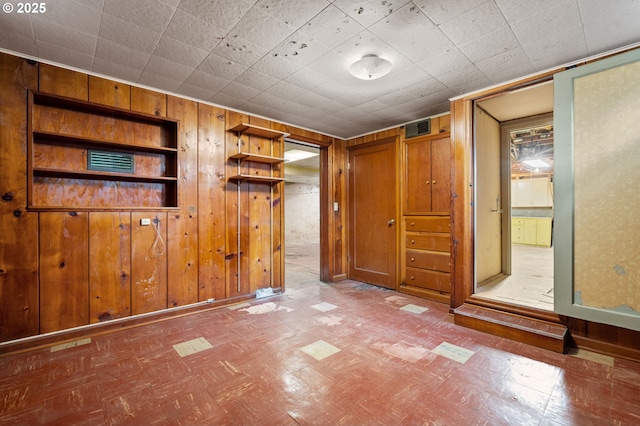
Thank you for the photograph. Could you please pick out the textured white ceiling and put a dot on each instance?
(288, 59)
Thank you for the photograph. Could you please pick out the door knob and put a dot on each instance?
(391, 222)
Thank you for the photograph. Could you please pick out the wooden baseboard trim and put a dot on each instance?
(535, 332)
(605, 348)
(40, 341)
(339, 277)
(425, 294)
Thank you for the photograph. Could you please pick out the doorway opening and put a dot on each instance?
(302, 213)
(514, 204)
(527, 277)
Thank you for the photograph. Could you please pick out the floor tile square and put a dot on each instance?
(238, 306)
(414, 308)
(320, 350)
(453, 352)
(192, 346)
(592, 356)
(68, 345)
(324, 307)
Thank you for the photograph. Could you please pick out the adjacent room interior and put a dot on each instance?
(515, 221)
(302, 212)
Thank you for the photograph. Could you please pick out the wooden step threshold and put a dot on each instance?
(532, 331)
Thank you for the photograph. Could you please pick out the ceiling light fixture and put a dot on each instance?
(297, 155)
(537, 163)
(370, 67)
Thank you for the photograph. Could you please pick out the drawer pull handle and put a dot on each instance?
(413, 278)
(413, 241)
(413, 224)
(434, 182)
(428, 182)
(413, 259)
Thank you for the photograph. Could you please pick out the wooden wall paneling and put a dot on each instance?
(211, 200)
(382, 135)
(148, 101)
(462, 193)
(327, 215)
(109, 265)
(444, 124)
(182, 240)
(277, 204)
(333, 248)
(148, 263)
(237, 279)
(304, 135)
(109, 92)
(373, 137)
(63, 82)
(19, 310)
(341, 196)
(64, 270)
(259, 214)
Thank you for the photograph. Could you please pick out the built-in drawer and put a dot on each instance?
(434, 242)
(517, 228)
(430, 280)
(517, 238)
(428, 224)
(437, 261)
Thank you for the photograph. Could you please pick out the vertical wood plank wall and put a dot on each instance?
(110, 266)
(19, 307)
(64, 269)
(64, 273)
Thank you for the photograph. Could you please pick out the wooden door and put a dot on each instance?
(489, 251)
(441, 175)
(372, 215)
(417, 176)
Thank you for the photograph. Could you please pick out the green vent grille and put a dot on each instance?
(417, 128)
(106, 161)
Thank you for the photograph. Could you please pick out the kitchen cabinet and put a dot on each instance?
(531, 231)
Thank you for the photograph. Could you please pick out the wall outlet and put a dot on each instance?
(145, 222)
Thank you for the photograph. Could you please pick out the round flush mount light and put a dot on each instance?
(370, 67)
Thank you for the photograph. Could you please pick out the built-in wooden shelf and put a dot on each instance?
(250, 129)
(255, 178)
(63, 139)
(257, 158)
(92, 174)
(71, 104)
(61, 131)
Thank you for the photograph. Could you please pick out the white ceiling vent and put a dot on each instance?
(417, 128)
